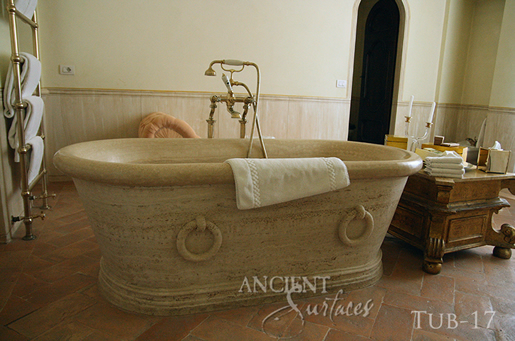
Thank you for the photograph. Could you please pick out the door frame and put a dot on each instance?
(398, 84)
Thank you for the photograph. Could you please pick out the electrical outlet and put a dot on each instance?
(341, 83)
(67, 69)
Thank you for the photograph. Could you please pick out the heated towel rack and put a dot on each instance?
(20, 106)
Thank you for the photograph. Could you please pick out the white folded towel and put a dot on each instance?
(33, 116)
(449, 157)
(29, 77)
(36, 157)
(263, 182)
(27, 7)
(442, 165)
(445, 173)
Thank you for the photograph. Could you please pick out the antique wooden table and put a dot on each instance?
(442, 215)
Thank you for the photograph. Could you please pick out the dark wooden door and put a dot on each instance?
(380, 51)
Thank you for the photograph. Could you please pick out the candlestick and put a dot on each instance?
(432, 112)
(411, 105)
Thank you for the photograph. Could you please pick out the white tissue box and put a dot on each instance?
(497, 161)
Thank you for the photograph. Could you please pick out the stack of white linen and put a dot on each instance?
(449, 165)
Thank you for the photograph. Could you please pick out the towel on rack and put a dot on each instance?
(30, 74)
(36, 157)
(33, 116)
(27, 7)
(263, 182)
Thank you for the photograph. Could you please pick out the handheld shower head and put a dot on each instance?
(210, 72)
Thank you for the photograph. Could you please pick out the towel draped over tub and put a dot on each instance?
(264, 182)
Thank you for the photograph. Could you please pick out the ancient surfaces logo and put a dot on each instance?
(327, 306)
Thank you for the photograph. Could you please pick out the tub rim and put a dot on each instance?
(206, 173)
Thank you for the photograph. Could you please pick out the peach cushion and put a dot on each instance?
(159, 125)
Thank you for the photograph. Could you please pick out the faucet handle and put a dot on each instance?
(233, 62)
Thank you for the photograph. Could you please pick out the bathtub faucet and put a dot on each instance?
(230, 99)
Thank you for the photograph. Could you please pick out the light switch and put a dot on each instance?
(341, 83)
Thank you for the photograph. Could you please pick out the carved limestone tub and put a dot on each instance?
(173, 242)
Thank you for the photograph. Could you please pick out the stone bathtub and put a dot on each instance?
(173, 241)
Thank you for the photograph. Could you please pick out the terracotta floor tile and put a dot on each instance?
(70, 218)
(505, 326)
(92, 291)
(8, 282)
(502, 305)
(444, 325)
(215, 329)
(45, 236)
(101, 336)
(241, 316)
(94, 252)
(315, 311)
(70, 251)
(191, 338)
(471, 286)
(393, 323)
(468, 260)
(54, 291)
(274, 319)
(172, 328)
(114, 321)
(403, 280)
(66, 331)
(473, 308)
(338, 335)
(438, 287)
(423, 335)
(64, 269)
(42, 248)
(72, 237)
(43, 319)
(413, 303)
(37, 264)
(495, 271)
(26, 284)
(374, 294)
(15, 245)
(299, 330)
(14, 309)
(459, 272)
(72, 227)
(92, 269)
(13, 259)
(7, 334)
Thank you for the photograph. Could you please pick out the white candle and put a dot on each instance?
(432, 113)
(411, 105)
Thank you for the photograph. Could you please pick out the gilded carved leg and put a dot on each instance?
(503, 240)
(433, 255)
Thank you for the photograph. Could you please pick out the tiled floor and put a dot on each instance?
(48, 291)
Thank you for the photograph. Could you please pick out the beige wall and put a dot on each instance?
(503, 88)
(423, 49)
(301, 47)
(455, 51)
(482, 51)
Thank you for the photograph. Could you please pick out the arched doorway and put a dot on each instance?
(375, 57)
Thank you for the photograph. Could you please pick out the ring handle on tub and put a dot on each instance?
(201, 225)
(359, 212)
